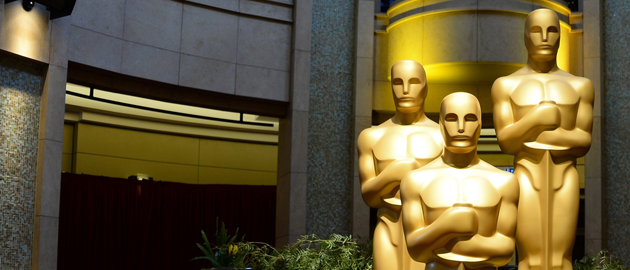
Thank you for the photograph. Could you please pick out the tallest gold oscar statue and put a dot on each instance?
(543, 116)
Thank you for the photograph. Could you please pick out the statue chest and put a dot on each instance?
(530, 92)
(478, 192)
(418, 144)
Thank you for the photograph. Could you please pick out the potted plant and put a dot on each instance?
(225, 254)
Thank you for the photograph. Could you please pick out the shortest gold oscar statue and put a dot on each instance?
(458, 211)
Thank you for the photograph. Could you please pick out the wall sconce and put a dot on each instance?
(28, 4)
(57, 8)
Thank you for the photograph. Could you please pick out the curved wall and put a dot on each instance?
(237, 47)
(467, 41)
(464, 45)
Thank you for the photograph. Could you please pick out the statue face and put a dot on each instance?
(542, 34)
(460, 122)
(409, 85)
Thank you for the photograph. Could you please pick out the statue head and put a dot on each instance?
(542, 35)
(460, 122)
(409, 84)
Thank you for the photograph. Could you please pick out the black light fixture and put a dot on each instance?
(28, 4)
(57, 8)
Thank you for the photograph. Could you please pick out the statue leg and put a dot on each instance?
(387, 254)
(565, 213)
(528, 229)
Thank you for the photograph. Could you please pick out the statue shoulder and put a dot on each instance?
(506, 182)
(504, 85)
(369, 136)
(584, 87)
(427, 172)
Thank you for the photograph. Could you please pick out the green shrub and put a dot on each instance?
(603, 260)
(338, 252)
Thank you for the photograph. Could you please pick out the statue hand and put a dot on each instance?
(547, 115)
(398, 168)
(463, 220)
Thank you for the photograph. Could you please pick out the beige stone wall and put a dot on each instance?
(239, 47)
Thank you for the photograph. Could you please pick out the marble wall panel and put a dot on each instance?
(264, 44)
(150, 63)
(267, 10)
(105, 17)
(47, 242)
(364, 87)
(301, 83)
(302, 38)
(209, 33)
(365, 29)
(60, 35)
(155, 23)
(95, 49)
(21, 85)
(222, 4)
(262, 83)
(207, 74)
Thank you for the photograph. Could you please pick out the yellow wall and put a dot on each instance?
(116, 152)
(68, 143)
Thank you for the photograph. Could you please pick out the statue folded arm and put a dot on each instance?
(498, 249)
(374, 187)
(513, 134)
(577, 141)
(423, 239)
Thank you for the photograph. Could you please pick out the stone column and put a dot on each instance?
(363, 108)
(49, 156)
(593, 164)
(293, 134)
(331, 118)
(615, 126)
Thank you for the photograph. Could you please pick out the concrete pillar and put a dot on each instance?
(293, 134)
(593, 161)
(364, 84)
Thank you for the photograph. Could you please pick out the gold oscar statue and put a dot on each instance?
(407, 141)
(543, 116)
(459, 212)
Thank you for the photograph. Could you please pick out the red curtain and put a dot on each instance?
(111, 223)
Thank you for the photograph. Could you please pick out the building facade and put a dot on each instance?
(319, 67)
